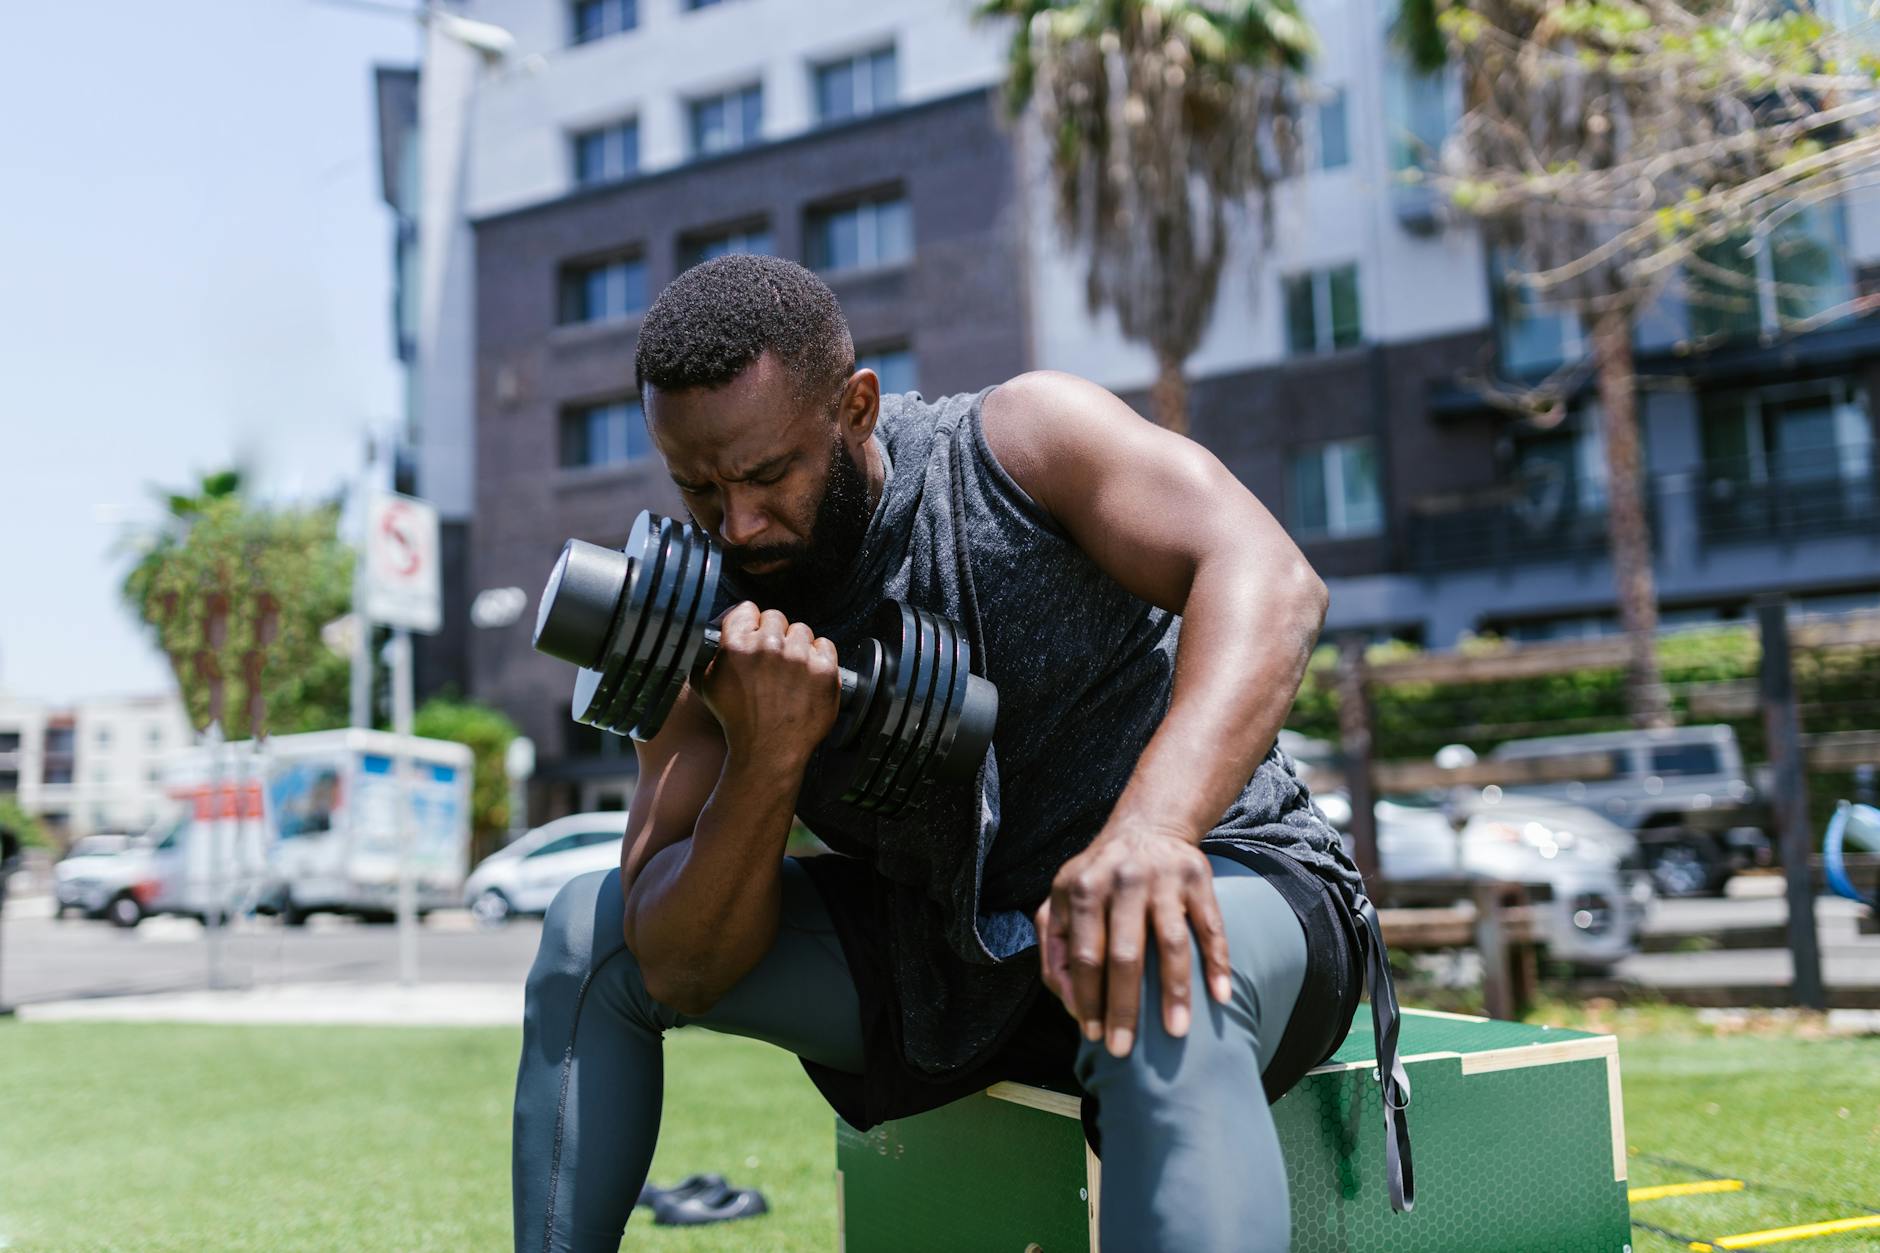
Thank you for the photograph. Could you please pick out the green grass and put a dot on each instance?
(184, 1138)
(1798, 1120)
(153, 1138)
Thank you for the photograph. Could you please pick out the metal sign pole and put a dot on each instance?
(362, 623)
(211, 842)
(401, 726)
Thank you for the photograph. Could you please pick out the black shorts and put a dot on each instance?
(1040, 1045)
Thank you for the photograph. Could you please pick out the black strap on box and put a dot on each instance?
(1385, 1022)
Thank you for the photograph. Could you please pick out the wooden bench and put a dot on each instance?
(1518, 1137)
(1495, 919)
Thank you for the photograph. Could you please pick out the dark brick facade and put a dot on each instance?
(959, 305)
(1252, 419)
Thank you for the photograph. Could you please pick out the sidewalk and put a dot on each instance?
(328, 1004)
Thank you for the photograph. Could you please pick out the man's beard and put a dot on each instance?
(812, 579)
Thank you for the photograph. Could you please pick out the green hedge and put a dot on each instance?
(1838, 690)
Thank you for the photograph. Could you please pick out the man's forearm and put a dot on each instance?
(703, 911)
(1246, 638)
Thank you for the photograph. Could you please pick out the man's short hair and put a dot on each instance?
(718, 317)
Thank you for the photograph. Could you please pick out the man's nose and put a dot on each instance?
(743, 523)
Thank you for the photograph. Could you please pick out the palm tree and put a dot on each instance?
(1165, 119)
(1586, 133)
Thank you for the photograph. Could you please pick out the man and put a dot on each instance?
(1133, 794)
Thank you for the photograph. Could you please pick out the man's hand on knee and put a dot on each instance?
(1129, 884)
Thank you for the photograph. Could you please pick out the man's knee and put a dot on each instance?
(584, 920)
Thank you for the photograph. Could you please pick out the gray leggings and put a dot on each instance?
(1191, 1159)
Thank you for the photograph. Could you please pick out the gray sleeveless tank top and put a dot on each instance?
(1084, 671)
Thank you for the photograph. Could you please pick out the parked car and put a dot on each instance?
(1572, 861)
(1579, 868)
(105, 876)
(522, 877)
(1681, 790)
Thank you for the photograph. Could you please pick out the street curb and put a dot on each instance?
(304, 1004)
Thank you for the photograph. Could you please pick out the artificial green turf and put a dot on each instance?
(1797, 1120)
(133, 1137)
(116, 1136)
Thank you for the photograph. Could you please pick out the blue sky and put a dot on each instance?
(194, 267)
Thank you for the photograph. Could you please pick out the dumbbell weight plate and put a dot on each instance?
(864, 659)
(946, 713)
(924, 725)
(902, 733)
(956, 711)
(704, 592)
(645, 617)
(676, 599)
(906, 738)
(894, 626)
(596, 690)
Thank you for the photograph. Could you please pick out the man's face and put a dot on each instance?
(777, 480)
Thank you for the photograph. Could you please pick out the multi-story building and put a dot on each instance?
(1348, 377)
(93, 766)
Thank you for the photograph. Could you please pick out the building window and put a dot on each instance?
(1816, 434)
(1561, 474)
(9, 782)
(103, 737)
(597, 19)
(703, 247)
(894, 366)
(9, 741)
(856, 86)
(701, 4)
(860, 235)
(1801, 274)
(1532, 335)
(604, 434)
(59, 740)
(1417, 114)
(1322, 310)
(607, 153)
(724, 123)
(154, 736)
(600, 291)
(1328, 144)
(1333, 490)
(58, 775)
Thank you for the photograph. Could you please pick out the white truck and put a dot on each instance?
(309, 823)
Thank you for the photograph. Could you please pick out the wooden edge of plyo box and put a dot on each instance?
(1440, 1013)
(842, 1217)
(1584, 1049)
(1093, 1183)
(1037, 1098)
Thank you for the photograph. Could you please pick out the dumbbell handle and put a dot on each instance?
(850, 681)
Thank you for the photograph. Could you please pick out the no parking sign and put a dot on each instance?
(401, 563)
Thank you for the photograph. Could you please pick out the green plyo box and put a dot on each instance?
(1517, 1131)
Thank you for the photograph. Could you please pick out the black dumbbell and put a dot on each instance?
(638, 622)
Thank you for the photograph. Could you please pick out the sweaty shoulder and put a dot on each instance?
(1051, 430)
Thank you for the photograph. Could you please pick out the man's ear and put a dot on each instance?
(859, 408)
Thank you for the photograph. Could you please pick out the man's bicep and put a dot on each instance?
(679, 767)
(1146, 504)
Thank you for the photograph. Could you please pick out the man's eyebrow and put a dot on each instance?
(762, 468)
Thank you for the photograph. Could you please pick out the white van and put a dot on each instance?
(308, 823)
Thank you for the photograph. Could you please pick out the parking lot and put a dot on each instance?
(1718, 951)
(46, 959)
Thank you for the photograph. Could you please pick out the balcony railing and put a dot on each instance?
(1822, 491)
(1815, 492)
(1507, 532)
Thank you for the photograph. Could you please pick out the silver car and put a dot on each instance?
(1576, 865)
(1681, 790)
